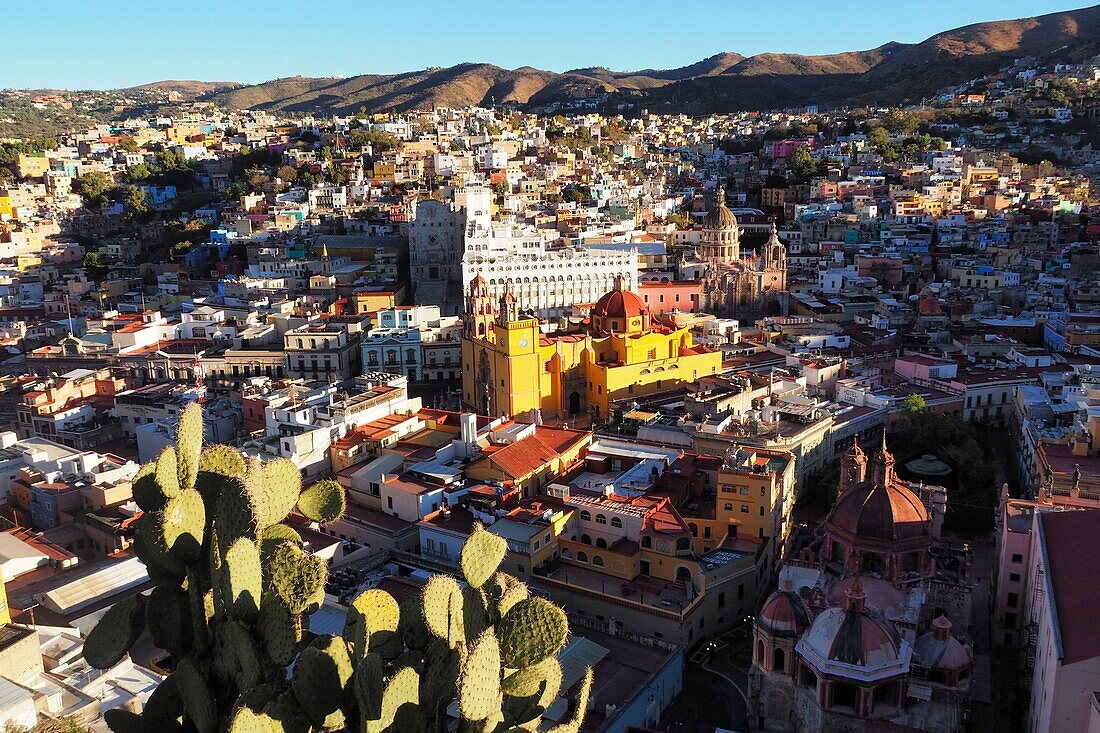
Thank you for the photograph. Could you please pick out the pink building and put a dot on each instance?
(783, 148)
(923, 368)
(665, 297)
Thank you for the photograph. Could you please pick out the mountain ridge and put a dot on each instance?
(889, 74)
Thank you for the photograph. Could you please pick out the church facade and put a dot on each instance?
(736, 286)
(510, 367)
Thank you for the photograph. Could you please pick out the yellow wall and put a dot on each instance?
(524, 375)
(31, 166)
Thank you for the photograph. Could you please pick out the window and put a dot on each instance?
(582, 557)
(585, 516)
(1010, 620)
(761, 510)
(1013, 598)
(722, 599)
(616, 522)
(728, 506)
(601, 519)
(597, 561)
(1017, 558)
(1014, 577)
(744, 508)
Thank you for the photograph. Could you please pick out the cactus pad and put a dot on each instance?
(168, 618)
(274, 535)
(115, 633)
(443, 609)
(531, 631)
(246, 721)
(320, 680)
(198, 702)
(371, 625)
(324, 502)
(482, 554)
(296, 576)
(167, 473)
(573, 725)
(238, 511)
(479, 694)
(511, 597)
(369, 687)
(242, 579)
(530, 680)
(123, 721)
(182, 523)
(402, 689)
(189, 445)
(281, 482)
(280, 630)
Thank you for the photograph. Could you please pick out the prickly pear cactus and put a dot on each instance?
(233, 587)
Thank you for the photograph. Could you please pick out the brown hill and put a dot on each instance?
(188, 87)
(889, 74)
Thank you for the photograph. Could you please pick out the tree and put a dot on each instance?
(287, 173)
(91, 186)
(139, 172)
(379, 140)
(680, 220)
(914, 403)
(233, 585)
(901, 122)
(134, 203)
(127, 143)
(801, 163)
(501, 189)
(93, 263)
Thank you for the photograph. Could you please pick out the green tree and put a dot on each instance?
(127, 143)
(135, 204)
(801, 163)
(914, 403)
(379, 140)
(501, 189)
(91, 187)
(680, 220)
(901, 121)
(139, 172)
(94, 264)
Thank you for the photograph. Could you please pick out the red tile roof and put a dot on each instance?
(1069, 538)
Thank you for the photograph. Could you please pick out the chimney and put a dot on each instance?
(941, 628)
(468, 431)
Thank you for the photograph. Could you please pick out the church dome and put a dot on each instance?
(784, 614)
(854, 636)
(881, 512)
(721, 218)
(938, 649)
(619, 304)
(620, 311)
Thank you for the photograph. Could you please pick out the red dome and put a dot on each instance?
(619, 304)
(874, 511)
(784, 614)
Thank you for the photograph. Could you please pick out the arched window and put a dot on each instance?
(586, 540)
(683, 544)
(585, 516)
(601, 542)
(597, 561)
(759, 651)
(728, 506)
(694, 529)
(616, 522)
(601, 519)
(778, 660)
(582, 556)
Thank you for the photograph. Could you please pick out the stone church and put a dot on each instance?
(736, 286)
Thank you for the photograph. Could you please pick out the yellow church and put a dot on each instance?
(510, 367)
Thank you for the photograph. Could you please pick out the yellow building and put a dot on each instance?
(31, 166)
(510, 367)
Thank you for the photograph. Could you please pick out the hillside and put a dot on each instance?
(187, 87)
(889, 74)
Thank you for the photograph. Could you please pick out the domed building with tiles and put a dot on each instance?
(516, 366)
(734, 285)
(870, 625)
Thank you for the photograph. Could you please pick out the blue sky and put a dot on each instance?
(80, 44)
